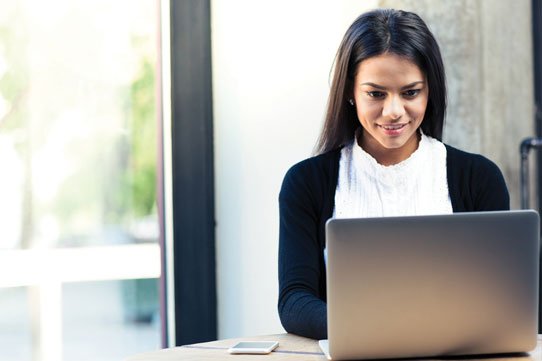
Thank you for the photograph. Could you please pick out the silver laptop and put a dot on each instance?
(444, 285)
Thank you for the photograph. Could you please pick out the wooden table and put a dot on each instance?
(291, 347)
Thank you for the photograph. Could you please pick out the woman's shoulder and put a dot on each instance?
(462, 162)
(324, 162)
(313, 172)
(475, 182)
(460, 157)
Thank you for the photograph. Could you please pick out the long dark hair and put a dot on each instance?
(374, 33)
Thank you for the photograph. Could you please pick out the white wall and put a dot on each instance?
(271, 65)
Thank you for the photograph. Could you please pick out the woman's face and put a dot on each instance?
(390, 95)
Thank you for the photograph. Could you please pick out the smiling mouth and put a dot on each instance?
(392, 126)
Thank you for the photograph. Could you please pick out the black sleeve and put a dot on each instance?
(490, 191)
(301, 309)
(475, 183)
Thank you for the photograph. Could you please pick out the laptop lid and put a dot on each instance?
(458, 284)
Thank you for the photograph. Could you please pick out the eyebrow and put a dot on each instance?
(384, 88)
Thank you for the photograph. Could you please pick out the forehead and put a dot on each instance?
(388, 68)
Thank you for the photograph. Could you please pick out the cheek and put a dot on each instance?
(368, 110)
(418, 108)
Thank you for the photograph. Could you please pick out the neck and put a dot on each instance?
(388, 156)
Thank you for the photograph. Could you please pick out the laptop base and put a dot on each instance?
(324, 346)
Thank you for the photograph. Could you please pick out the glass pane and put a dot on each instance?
(78, 153)
(15, 333)
(120, 318)
(78, 121)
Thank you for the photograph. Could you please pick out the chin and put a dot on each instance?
(393, 144)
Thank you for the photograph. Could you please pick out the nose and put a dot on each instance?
(393, 108)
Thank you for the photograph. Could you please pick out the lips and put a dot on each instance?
(393, 129)
(392, 126)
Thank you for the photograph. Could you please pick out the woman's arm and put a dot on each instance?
(301, 308)
(475, 183)
(490, 191)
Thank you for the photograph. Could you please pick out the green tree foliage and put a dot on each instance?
(143, 142)
(130, 188)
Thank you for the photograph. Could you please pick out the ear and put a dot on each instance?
(349, 91)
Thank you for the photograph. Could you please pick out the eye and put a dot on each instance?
(376, 94)
(411, 93)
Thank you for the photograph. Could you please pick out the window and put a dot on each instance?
(79, 253)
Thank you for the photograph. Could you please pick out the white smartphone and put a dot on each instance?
(254, 347)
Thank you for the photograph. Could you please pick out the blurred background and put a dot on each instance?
(78, 153)
(97, 148)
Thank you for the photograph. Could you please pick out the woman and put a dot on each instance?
(380, 154)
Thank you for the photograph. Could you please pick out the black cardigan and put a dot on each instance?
(306, 202)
